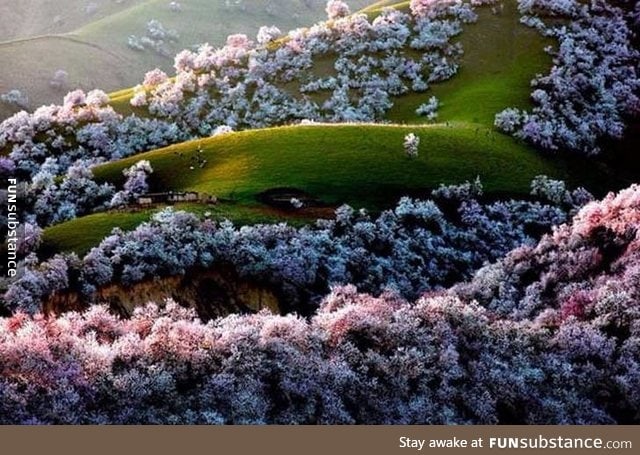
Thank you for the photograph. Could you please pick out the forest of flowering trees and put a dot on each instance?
(589, 93)
(548, 335)
(593, 86)
(417, 247)
(238, 86)
(455, 308)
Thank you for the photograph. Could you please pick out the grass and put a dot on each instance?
(364, 165)
(93, 48)
(501, 56)
(81, 234)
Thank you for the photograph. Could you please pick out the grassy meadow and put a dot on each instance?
(363, 165)
(92, 47)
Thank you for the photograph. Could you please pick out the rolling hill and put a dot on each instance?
(92, 48)
(328, 165)
(501, 56)
(364, 165)
(198, 266)
(31, 18)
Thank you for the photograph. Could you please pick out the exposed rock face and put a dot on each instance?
(211, 293)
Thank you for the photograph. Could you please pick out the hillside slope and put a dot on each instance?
(356, 164)
(97, 54)
(30, 18)
(325, 166)
(501, 56)
(47, 54)
(364, 165)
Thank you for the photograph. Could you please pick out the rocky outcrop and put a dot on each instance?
(211, 293)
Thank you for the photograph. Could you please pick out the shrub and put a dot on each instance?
(593, 84)
(419, 246)
(136, 184)
(60, 80)
(411, 145)
(337, 9)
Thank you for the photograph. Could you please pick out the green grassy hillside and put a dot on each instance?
(501, 56)
(72, 236)
(362, 165)
(95, 52)
(82, 234)
(357, 164)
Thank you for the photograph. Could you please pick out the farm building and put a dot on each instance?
(175, 197)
